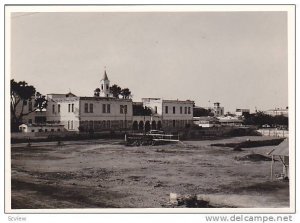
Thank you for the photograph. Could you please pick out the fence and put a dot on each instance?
(274, 132)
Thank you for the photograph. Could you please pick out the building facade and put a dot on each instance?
(90, 113)
(278, 111)
(217, 109)
(174, 114)
(103, 112)
(242, 111)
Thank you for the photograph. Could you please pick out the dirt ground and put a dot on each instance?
(107, 174)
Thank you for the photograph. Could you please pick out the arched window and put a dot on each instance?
(141, 125)
(135, 125)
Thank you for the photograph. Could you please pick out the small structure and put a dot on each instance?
(25, 128)
(230, 121)
(206, 121)
(278, 111)
(154, 137)
(282, 153)
(217, 110)
(242, 112)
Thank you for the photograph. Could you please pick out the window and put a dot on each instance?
(72, 107)
(155, 109)
(53, 109)
(52, 130)
(123, 109)
(108, 108)
(30, 106)
(68, 124)
(180, 110)
(86, 108)
(104, 108)
(108, 124)
(32, 130)
(107, 87)
(58, 130)
(71, 124)
(30, 121)
(101, 86)
(174, 109)
(91, 108)
(185, 110)
(174, 123)
(46, 130)
(167, 110)
(189, 110)
(58, 108)
(69, 107)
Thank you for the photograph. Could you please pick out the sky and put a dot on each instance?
(236, 58)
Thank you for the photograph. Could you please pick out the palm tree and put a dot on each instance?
(115, 90)
(126, 93)
(97, 92)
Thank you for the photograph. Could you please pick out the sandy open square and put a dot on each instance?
(107, 174)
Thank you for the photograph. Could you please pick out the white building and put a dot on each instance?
(106, 113)
(242, 111)
(278, 111)
(217, 109)
(173, 113)
(90, 113)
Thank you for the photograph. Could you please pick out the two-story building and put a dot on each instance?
(90, 113)
(171, 113)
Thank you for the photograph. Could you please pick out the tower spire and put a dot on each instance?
(105, 74)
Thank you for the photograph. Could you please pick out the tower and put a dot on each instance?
(104, 86)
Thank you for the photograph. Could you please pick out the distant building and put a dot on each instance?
(278, 111)
(242, 111)
(217, 110)
(206, 122)
(231, 121)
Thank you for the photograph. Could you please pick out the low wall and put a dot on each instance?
(21, 135)
(274, 132)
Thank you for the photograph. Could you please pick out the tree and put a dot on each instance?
(20, 94)
(139, 109)
(126, 93)
(198, 112)
(261, 118)
(115, 90)
(97, 92)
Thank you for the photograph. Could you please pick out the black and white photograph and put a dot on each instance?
(171, 109)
